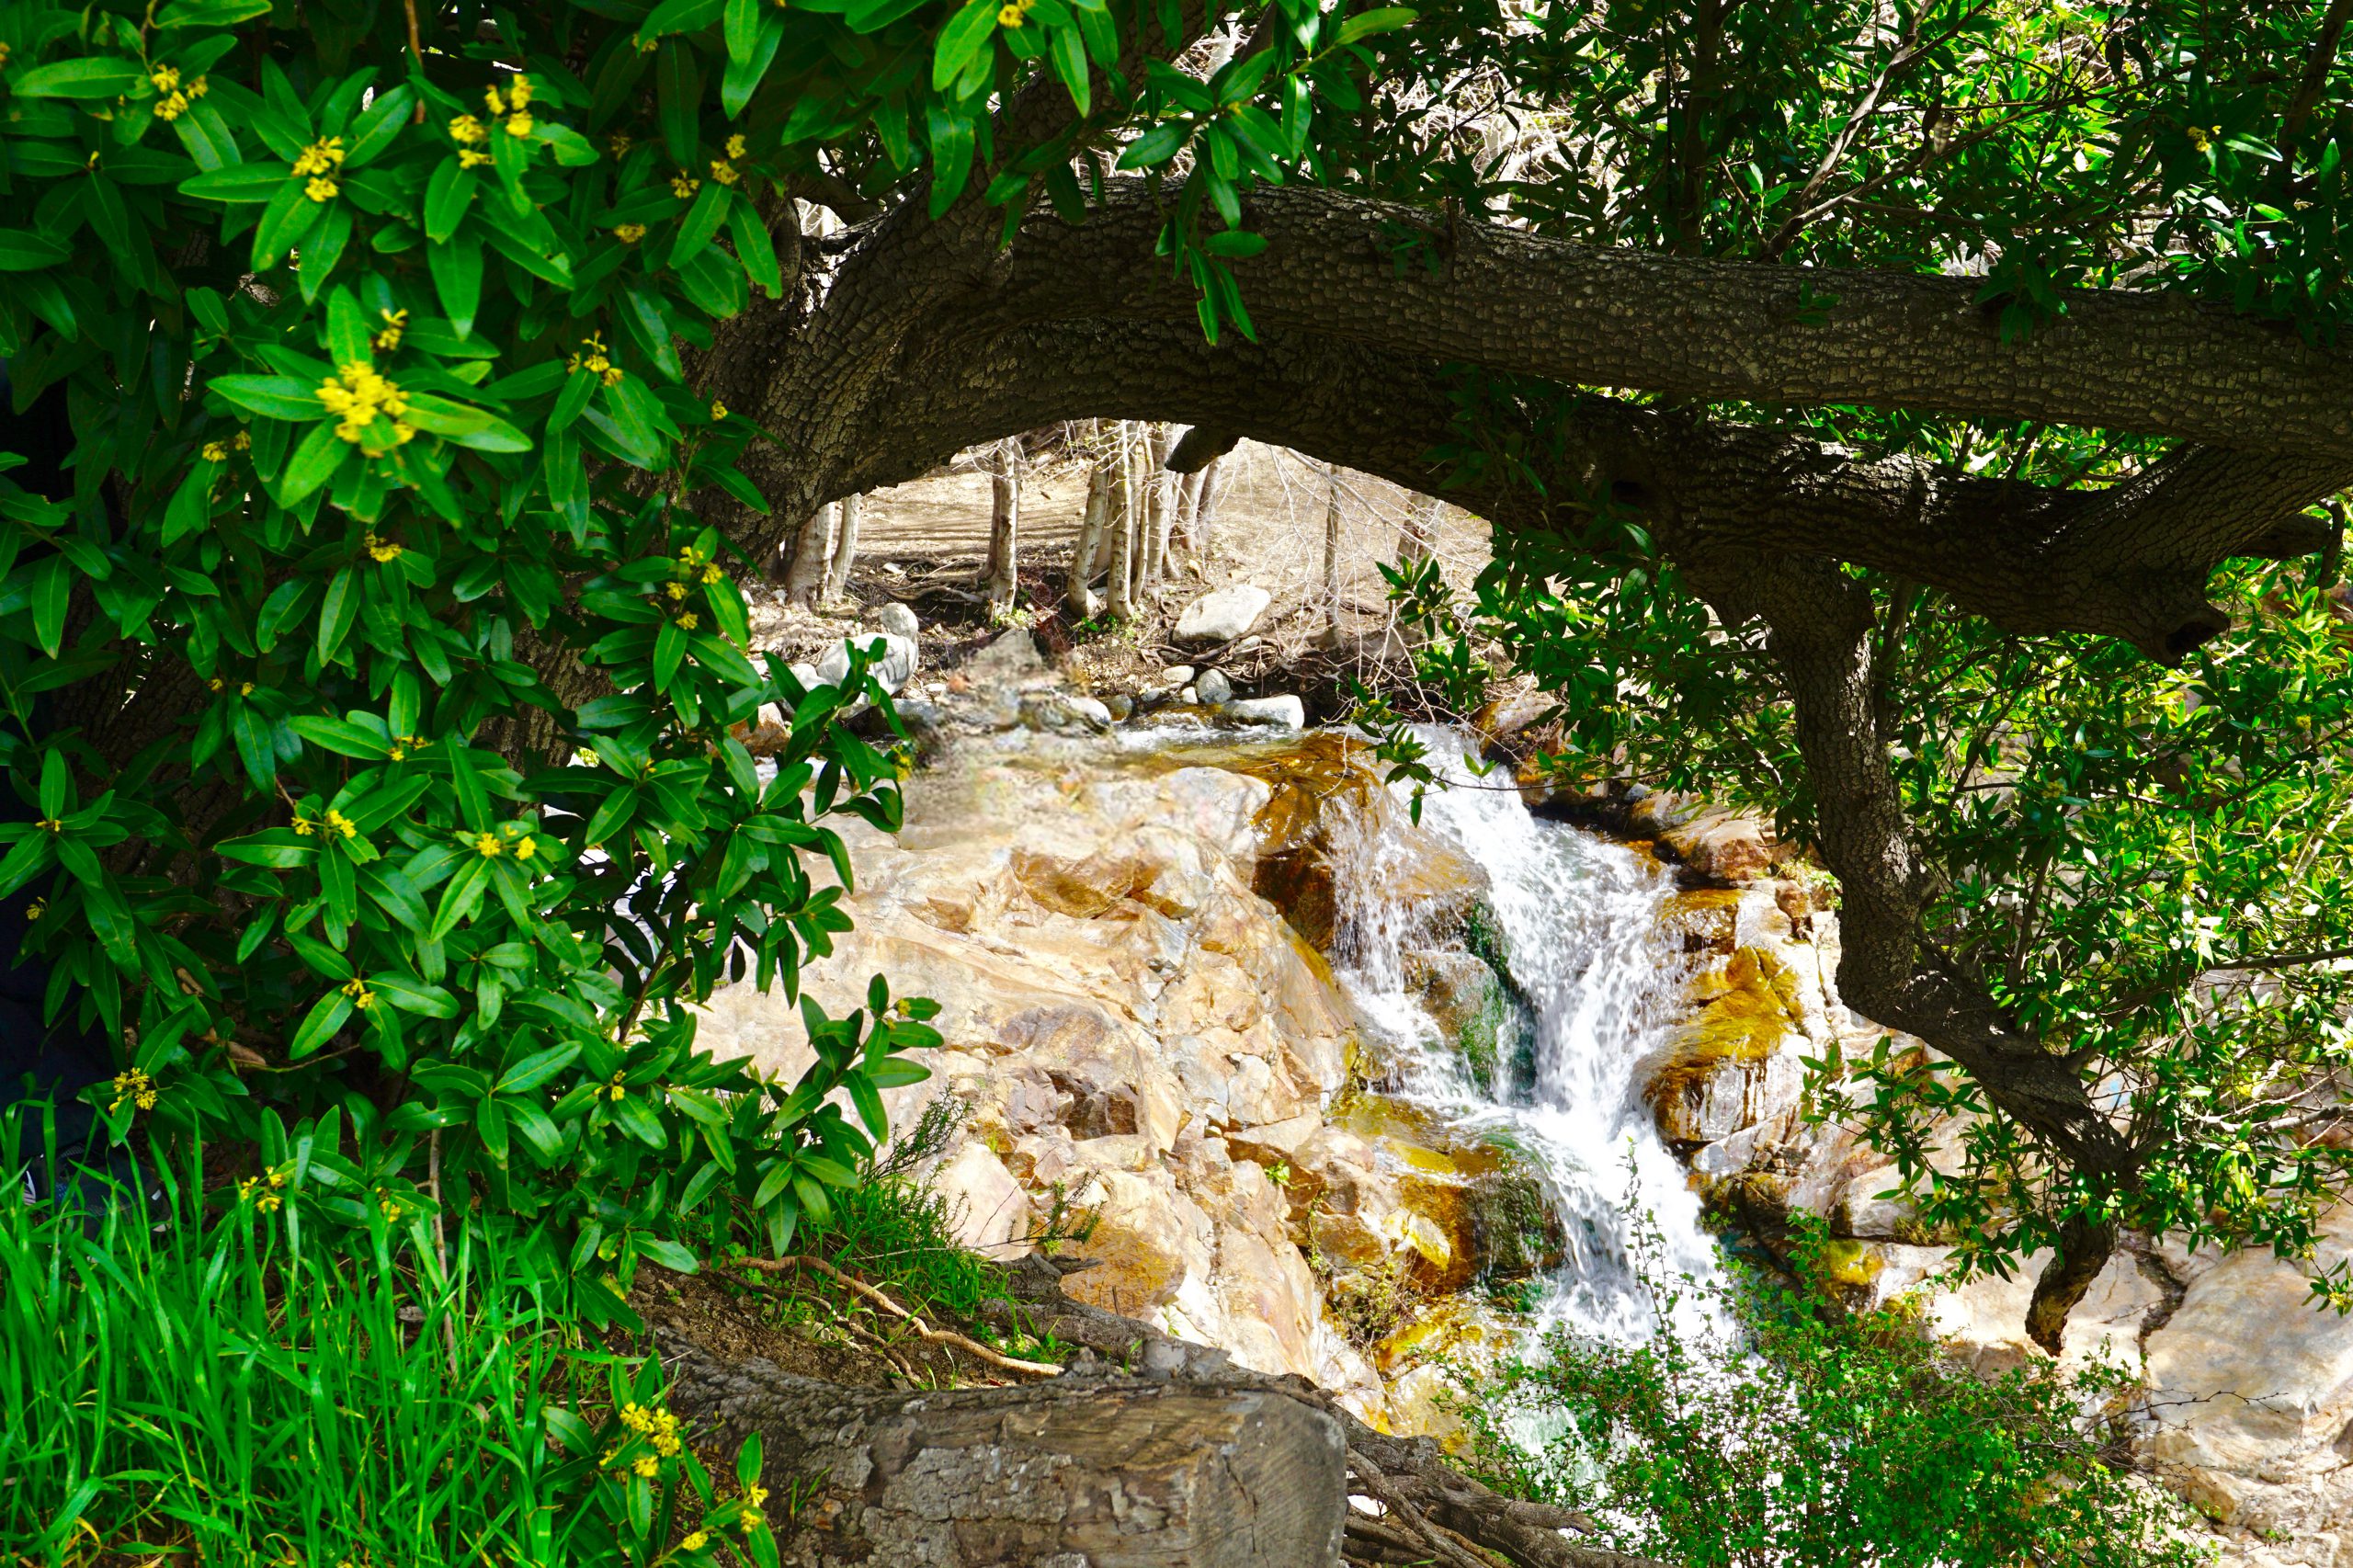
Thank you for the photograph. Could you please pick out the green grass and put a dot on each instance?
(245, 1396)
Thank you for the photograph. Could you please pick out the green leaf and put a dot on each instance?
(1365, 24)
(211, 13)
(337, 735)
(275, 397)
(313, 464)
(326, 1016)
(279, 848)
(967, 32)
(242, 182)
(457, 279)
(446, 196)
(710, 208)
(91, 77)
(22, 250)
(1155, 146)
(537, 1069)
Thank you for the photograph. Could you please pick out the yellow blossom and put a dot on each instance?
(242, 441)
(361, 997)
(467, 130)
(619, 144)
(616, 1088)
(494, 100)
(320, 158)
(470, 159)
(676, 590)
(647, 1466)
(526, 847)
(36, 909)
(689, 621)
(165, 77)
(303, 825)
(388, 336)
(629, 233)
(519, 90)
(245, 688)
(696, 1541)
(711, 573)
(591, 357)
(356, 395)
(717, 409)
(755, 1494)
(215, 452)
(735, 145)
(487, 845)
(724, 173)
(322, 189)
(682, 187)
(518, 125)
(198, 88)
(52, 825)
(216, 683)
(381, 550)
(1010, 17)
(337, 822)
(133, 1087)
(3, 54)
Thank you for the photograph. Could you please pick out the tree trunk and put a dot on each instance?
(812, 546)
(1077, 596)
(1160, 502)
(1002, 581)
(844, 550)
(1121, 605)
(1418, 531)
(1117, 1472)
(1209, 484)
(1331, 545)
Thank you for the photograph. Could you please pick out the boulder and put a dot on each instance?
(1173, 677)
(1013, 659)
(1091, 711)
(898, 621)
(1211, 687)
(1224, 615)
(896, 662)
(1285, 712)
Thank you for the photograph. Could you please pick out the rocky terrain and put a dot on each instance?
(1126, 907)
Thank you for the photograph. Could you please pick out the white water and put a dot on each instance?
(1580, 920)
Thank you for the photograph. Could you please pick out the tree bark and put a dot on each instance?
(1119, 594)
(845, 557)
(1331, 546)
(1078, 597)
(1160, 502)
(1001, 581)
(1114, 1472)
(1418, 531)
(804, 574)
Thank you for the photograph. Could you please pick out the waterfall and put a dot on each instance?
(1581, 937)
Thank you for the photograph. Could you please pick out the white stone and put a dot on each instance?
(1211, 688)
(896, 662)
(1224, 615)
(898, 621)
(1090, 710)
(1285, 712)
(1175, 675)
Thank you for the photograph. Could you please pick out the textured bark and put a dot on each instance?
(1418, 531)
(1077, 596)
(1112, 1472)
(1331, 544)
(1160, 502)
(845, 555)
(1001, 580)
(1120, 602)
(813, 546)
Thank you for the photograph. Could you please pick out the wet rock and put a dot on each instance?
(1224, 615)
(1286, 712)
(1726, 847)
(1175, 676)
(1120, 705)
(1211, 687)
(1727, 1067)
(1091, 711)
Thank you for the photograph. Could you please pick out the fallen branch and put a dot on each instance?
(948, 1336)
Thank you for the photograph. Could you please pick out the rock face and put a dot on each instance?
(1133, 1030)
(1223, 616)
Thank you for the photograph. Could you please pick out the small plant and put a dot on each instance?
(1280, 1173)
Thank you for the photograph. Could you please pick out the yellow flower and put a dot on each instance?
(356, 395)
(629, 233)
(320, 158)
(2198, 137)
(361, 997)
(487, 845)
(133, 1087)
(322, 189)
(245, 688)
(711, 573)
(1010, 17)
(724, 173)
(717, 409)
(242, 441)
(302, 825)
(215, 452)
(171, 106)
(519, 90)
(619, 144)
(617, 1090)
(676, 590)
(689, 621)
(381, 550)
(165, 77)
(337, 822)
(51, 823)
(494, 100)
(518, 125)
(470, 159)
(682, 187)
(388, 337)
(3, 54)
(696, 1541)
(591, 357)
(647, 1466)
(755, 1494)
(36, 909)
(391, 1207)
(216, 683)
(526, 847)
(735, 145)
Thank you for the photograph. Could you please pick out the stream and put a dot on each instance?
(1580, 924)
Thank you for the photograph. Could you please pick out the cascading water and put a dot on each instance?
(1580, 935)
